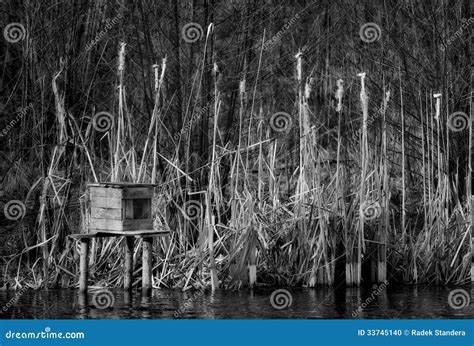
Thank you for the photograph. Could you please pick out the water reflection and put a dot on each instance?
(82, 306)
(353, 302)
(145, 307)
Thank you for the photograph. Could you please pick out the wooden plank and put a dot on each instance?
(97, 233)
(106, 224)
(98, 202)
(118, 185)
(138, 225)
(98, 192)
(106, 202)
(106, 213)
(105, 192)
(137, 192)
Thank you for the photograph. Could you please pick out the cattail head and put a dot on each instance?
(210, 28)
(122, 56)
(363, 94)
(437, 105)
(157, 76)
(308, 87)
(298, 65)
(385, 101)
(339, 93)
(362, 79)
(242, 86)
(163, 69)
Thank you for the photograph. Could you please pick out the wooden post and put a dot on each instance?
(147, 265)
(128, 265)
(84, 265)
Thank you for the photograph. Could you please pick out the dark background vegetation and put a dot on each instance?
(412, 58)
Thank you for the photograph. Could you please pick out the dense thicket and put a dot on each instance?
(364, 179)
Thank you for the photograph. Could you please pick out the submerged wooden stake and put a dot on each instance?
(128, 263)
(147, 265)
(84, 265)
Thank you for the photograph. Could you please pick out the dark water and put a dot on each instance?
(391, 302)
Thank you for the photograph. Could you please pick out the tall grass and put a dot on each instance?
(293, 206)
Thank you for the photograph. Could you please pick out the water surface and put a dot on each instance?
(307, 303)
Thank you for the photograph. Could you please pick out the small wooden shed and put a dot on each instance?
(120, 208)
(116, 210)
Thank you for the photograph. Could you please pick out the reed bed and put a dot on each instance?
(365, 194)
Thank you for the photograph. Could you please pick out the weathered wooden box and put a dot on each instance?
(120, 207)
